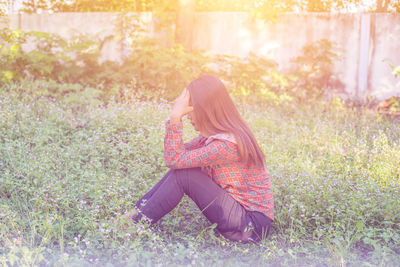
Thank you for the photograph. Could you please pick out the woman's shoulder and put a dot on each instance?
(221, 136)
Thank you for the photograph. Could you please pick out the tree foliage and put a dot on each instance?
(3, 7)
(99, 5)
(260, 6)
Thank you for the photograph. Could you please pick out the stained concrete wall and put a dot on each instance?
(384, 49)
(367, 43)
(239, 34)
(100, 25)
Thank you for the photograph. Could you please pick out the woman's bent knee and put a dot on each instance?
(184, 174)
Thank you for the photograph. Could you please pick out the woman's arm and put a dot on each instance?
(177, 157)
(195, 143)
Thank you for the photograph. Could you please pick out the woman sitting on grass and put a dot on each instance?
(222, 170)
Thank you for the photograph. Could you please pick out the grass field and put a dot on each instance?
(66, 170)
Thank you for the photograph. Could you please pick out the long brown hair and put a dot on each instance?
(215, 112)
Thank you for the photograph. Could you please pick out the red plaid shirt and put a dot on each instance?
(220, 159)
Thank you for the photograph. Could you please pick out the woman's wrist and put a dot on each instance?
(175, 118)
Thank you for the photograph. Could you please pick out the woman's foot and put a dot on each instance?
(125, 221)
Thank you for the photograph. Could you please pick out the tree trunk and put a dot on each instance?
(185, 22)
(386, 5)
(382, 5)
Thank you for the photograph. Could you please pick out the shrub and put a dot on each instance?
(43, 56)
(155, 70)
(313, 72)
(164, 71)
(254, 79)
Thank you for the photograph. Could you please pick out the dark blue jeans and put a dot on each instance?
(233, 220)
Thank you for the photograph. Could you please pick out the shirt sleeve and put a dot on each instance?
(195, 143)
(178, 157)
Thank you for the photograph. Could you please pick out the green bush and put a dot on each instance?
(155, 70)
(164, 71)
(254, 79)
(43, 56)
(313, 72)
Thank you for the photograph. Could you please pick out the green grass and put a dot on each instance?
(64, 168)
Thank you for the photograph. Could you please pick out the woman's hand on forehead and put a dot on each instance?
(181, 106)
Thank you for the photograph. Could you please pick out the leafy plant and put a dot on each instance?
(163, 70)
(396, 71)
(254, 79)
(44, 56)
(155, 70)
(390, 105)
(314, 71)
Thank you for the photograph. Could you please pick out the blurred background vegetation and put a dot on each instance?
(206, 5)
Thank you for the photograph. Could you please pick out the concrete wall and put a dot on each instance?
(98, 24)
(239, 34)
(384, 49)
(367, 42)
